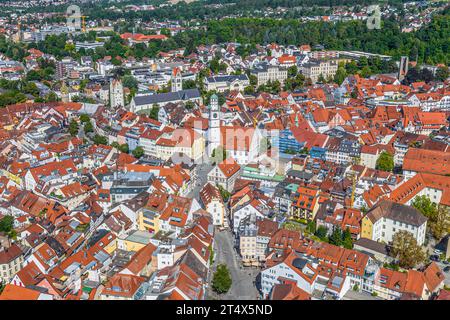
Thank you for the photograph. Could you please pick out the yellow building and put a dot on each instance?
(366, 228)
(135, 241)
(12, 177)
(183, 140)
(148, 220)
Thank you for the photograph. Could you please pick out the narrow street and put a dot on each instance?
(202, 179)
(243, 279)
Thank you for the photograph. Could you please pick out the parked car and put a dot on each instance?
(434, 258)
(447, 269)
(438, 252)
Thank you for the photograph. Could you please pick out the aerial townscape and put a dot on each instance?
(224, 150)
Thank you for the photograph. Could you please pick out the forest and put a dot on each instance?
(427, 45)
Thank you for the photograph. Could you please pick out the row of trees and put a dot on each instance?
(427, 45)
(7, 226)
(216, 9)
(438, 216)
(337, 237)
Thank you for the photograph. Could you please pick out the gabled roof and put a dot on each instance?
(12, 292)
(396, 212)
(412, 187)
(209, 193)
(123, 285)
(429, 161)
(229, 167)
(140, 259)
(434, 276)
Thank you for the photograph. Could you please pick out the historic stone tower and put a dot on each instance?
(214, 124)
(177, 80)
(116, 98)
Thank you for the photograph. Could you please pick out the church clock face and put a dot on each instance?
(214, 115)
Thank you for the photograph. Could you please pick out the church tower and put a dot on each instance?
(214, 124)
(116, 97)
(177, 80)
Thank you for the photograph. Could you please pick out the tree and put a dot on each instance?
(292, 71)
(425, 206)
(439, 223)
(88, 127)
(189, 105)
(321, 233)
(218, 155)
(189, 84)
(347, 241)
(321, 79)
(124, 148)
(73, 128)
(129, 81)
(222, 280)
(365, 72)
(6, 224)
(154, 112)
(385, 162)
(98, 139)
(249, 90)
(406, 249)
(336, 237)
(253, 80)
(51, 97)
(84, 118)
(224, 193)
(340, 75)
(138, 152)
(438, 216)
(442, 73)
(311, 226)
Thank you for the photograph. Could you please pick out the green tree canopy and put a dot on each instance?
(73, 128)
(98, 139)
(222, 279)
(124, 148)
(385, 162)
(138, 152)
(425, 205)
(88, 127)
(321, 233)
(406, 249)
(84, 118)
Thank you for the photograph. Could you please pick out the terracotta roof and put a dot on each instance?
(30, 274)
(10, 254)
(412, 187)
(288, 291)
(229, 167)
(396, 212)
(123, 285)
(429, 161)
(209, 193)
(434, 276)
(140, 259)
(12, 292)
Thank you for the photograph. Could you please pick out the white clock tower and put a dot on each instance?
(214, 124)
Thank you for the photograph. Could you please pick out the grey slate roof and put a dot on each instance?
(167, 97)
(397, 212)
(227, 78)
